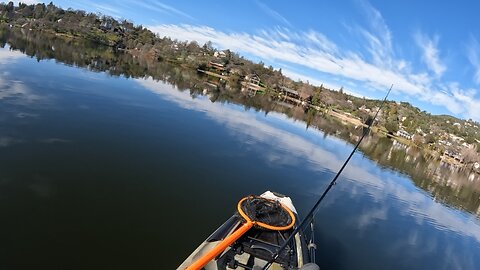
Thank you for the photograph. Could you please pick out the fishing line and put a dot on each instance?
(312, 212)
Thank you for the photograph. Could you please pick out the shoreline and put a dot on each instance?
(295, 101)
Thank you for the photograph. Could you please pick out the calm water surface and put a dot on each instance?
(101, 172)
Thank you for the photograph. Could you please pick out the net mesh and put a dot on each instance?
(269, 212)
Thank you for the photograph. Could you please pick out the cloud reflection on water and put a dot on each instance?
(17, 92)
(14, 91)
(287, 147)
(8, 56)
(6, 141)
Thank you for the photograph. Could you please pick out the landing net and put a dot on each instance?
(265, 213)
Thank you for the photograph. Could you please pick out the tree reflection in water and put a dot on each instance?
(457, 187)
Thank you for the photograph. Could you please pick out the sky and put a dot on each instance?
(429, 50)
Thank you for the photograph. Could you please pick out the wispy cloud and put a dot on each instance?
(8, 141)
(107, 9)
(467, 99)
(103, 8)
(272, 13)
(173, 10)
(430, 53)
(7, 56)
(54, 140)
(163, 8)
(378, 36)
(17, 92)
(314, 51)
(287, 47)
(12, 90)
(326, 83)
(473, 49)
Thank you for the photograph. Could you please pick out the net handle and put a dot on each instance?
(264, 225)
(220, 247)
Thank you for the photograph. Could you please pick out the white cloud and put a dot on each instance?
(430, 53)
(471, 104)
(8, 141)
(107, 9)
(473, 55)
(14, 91)
(7, 56)
(273, 14)
(163, 8)
(316, 52)
(378, 37)
(18, 92)
(54, 140)
(304, 78)
(269, 45)
(96, 6)
(327, 84)
(322, 55)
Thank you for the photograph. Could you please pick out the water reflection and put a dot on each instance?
(392, 195)
(8, 141)
(406, 213)
(8, 56)
(288, 148)
(446, 183)
(17, 92)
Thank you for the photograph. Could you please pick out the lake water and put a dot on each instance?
(102, 172)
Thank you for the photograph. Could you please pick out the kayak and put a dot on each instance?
(252, 237)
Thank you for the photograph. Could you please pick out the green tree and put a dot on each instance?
(208, 46)
(39, 11)
(392, 125)
(10, 7)
(429, 138)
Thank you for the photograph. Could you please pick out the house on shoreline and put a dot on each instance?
(402, 133)
(252, 84)
(293, 96)
(216, 66)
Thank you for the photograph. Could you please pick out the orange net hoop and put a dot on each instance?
(266, 213)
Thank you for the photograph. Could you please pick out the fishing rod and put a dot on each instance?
(312, 212)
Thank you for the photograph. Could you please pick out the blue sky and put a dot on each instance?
(429, 50)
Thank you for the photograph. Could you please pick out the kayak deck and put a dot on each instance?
(256, 247)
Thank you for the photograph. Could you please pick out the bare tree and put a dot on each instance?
(470, 155)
